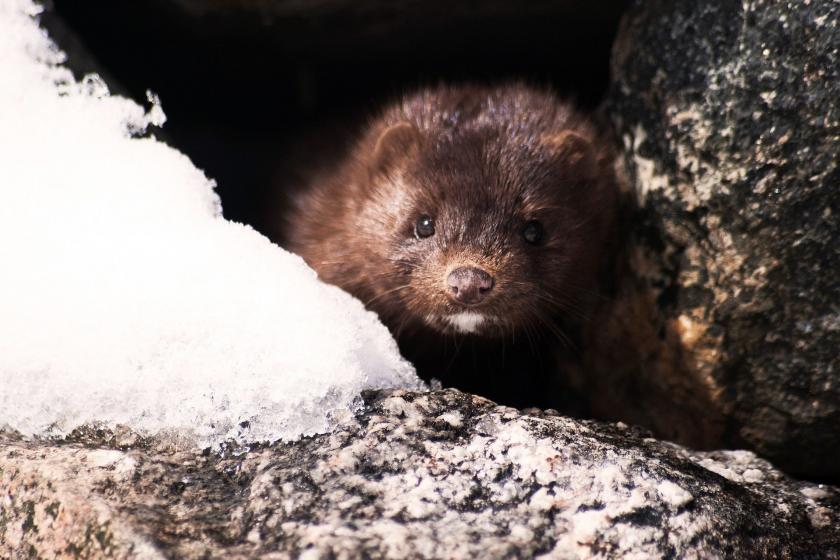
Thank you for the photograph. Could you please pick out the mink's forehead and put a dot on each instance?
(484, 172)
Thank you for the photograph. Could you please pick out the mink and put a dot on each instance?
(475, 222)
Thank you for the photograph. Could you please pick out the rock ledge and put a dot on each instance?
(431, 475)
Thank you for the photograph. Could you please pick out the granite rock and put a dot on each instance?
(729, 117)
(414, 475)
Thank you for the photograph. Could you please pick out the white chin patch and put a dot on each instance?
(466, 322)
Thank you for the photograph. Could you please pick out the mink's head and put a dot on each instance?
(488, 211)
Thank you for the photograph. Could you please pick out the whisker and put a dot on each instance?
(454, 354)
(386, 292)
(401, 326)
(558, 332)
(567, 307)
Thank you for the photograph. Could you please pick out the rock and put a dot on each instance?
(435, 475)
(729, 326)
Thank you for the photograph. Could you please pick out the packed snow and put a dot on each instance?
(125, 297)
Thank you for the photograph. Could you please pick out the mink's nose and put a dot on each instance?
(469, 285)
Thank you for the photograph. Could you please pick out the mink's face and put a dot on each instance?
(488, 237)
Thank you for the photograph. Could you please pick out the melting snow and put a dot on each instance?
(126, 298)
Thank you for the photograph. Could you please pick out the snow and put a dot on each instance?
(125, 297)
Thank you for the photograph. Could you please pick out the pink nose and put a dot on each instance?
(469, 285)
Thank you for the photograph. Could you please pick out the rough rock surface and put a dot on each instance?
(436, 475)
(729, 114)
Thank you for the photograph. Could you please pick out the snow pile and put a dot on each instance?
(126, 298)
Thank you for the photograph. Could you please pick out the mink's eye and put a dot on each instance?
(533, 232)
(424, 227)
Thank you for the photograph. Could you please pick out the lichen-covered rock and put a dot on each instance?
(437, 475)
(729, 115)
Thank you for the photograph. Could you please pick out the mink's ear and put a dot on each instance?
(572, 150)
(396, 143)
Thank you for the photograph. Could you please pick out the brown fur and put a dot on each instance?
(483, 162)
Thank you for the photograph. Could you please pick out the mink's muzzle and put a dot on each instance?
(469, 285)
